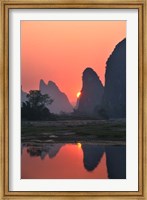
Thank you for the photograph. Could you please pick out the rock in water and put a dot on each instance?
(91, 93)
(60, 101)
(114, 101)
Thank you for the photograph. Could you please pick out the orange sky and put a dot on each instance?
(61, 50)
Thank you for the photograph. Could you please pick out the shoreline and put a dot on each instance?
(74, 131)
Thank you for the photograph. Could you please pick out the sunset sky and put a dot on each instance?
(61, 50)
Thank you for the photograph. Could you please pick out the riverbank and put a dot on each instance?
(95, 131)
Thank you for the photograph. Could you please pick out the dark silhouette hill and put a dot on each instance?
(114, 100)
(60, 101)
(91, 93)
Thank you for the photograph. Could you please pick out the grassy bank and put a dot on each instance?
(74, 130)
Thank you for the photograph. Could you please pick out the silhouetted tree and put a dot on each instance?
(36, 99)
(35, 108)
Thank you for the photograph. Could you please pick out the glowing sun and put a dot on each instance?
(78, 94)
(79, 145)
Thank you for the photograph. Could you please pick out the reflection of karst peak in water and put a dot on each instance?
(115, 159)
(92, 155)
(48, 149)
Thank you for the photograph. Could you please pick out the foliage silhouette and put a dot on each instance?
(35, 108)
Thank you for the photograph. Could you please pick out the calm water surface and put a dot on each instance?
(73, 161)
